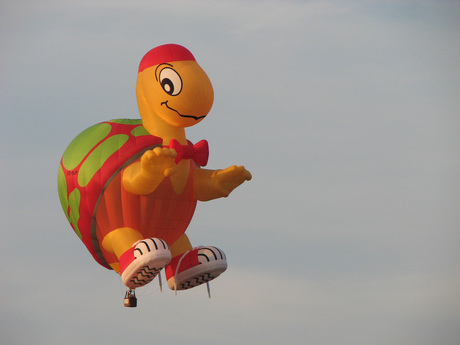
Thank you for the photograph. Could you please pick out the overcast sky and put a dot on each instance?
(347, 113)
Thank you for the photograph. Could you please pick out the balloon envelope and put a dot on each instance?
(94, 200)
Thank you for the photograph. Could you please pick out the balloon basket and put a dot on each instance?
(130, 300)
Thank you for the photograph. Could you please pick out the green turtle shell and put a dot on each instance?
(90, 161)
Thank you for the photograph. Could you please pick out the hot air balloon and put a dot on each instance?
(129, 187)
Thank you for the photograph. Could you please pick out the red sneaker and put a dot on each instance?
(140, 264)
(195, 267)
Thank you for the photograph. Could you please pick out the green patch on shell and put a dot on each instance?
(98, 157)
(74, 215)
(83, 144)
(62, 189)
(139, 131)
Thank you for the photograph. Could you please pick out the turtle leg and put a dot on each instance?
(120, 240)
(181, 246)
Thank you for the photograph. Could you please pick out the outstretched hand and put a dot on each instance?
(143, 177)
(226, 180)
(159, 161)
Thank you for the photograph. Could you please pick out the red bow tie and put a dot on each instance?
(198, 152)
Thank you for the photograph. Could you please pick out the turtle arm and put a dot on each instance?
(213, 184)
(140, 182)
(144, 176)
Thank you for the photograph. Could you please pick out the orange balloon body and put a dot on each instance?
(162, 214)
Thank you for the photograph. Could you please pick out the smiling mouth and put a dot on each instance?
(181, 115)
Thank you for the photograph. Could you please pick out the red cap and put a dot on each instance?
(165, 53)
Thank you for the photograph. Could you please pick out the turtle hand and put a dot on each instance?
(226, 180)
(159, 161)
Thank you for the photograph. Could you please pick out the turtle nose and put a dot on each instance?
(197, 96)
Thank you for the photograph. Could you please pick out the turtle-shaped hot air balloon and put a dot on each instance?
(129, 187)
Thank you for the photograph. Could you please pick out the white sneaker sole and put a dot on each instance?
(152, 255)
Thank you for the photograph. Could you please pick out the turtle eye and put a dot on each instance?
(170, 81)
